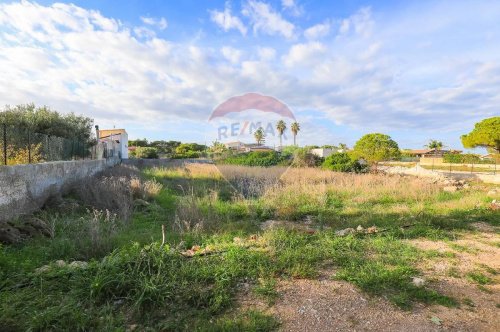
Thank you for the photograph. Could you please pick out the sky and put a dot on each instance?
(415, 70)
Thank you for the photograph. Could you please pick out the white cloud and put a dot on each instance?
(233, 55)
(318, 31)
(160, 23)
(75, 59)
(266, 20)
(266, 53)
(227, 21)
(292, 7)
(361, 23)
(304, 54)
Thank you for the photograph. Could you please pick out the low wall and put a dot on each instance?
(439, 162)
(422, 172)
(25, 188)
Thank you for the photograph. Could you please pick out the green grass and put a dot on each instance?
(478, 278)
(132, 280)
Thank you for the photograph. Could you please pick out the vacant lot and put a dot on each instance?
(257, 250)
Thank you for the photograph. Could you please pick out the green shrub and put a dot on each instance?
(256, 158)
(466, 158)
(303, 157)
(146, 153)
(187, 155)
(342, 162)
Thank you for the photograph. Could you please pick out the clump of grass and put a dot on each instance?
(145, 189)
(478, 278)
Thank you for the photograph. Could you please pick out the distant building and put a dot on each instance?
(243, 147)
(429, 152)
(119, 139)
(323, 152)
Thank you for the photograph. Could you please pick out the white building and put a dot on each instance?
(118, 139)
(323, 153)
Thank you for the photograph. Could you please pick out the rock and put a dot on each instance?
(68, 205)
(43, 269)
(60, 263)
(141, 203)
(78, 265)
(344, 232)
(28, 231)
(419, 282)
(39, 225)
(9, 235)
(466, 186)
(372, 229)
(360, 228)
(450, 189)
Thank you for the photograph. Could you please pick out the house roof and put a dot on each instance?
(104, 133)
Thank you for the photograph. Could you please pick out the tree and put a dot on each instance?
(295, 128)
(485, 134)
(342, 162)
(138, 142)
(146, 152)
(218, 147)
(343, 147)
(376, 147)
(43, 120)
(434, 144)
(259, 135)
(281, 127)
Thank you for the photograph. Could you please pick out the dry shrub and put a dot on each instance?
(145, 189)
(251, 181)
(110, 190)
(190, 216)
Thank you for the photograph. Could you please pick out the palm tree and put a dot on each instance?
(281, 127)
(295, 128)
(434, 144)
(343, 147)
(259, 135)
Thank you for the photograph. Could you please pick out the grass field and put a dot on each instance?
(214, 244)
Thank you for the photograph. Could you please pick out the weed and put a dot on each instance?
(478, 277)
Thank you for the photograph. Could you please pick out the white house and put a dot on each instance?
(119, 139)
(322, 152)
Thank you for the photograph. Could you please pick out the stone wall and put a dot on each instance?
(25, 188)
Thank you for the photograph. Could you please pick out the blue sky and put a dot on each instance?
(416, 70)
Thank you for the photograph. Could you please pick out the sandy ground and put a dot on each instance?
(329, 305)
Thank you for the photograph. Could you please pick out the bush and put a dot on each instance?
(303, 157)
(467, 158)
(256, 158)
(187, 155)
(342, 162)
(146, 153)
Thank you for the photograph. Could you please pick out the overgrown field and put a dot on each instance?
(218, 238)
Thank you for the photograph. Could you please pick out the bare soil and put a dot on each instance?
(329, 305)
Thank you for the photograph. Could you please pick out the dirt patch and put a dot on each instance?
(330, 305)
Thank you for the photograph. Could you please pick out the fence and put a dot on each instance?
(21, 146)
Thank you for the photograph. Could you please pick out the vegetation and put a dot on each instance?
(255, 158)
(485, 134)
(376, 147)
(281, 127)
(213, 243)
(466, 158)
(342, 162)
(146, 153)
(434, 144)
(295, 128)
(43, 120)
(260, 136)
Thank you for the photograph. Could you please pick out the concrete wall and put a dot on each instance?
(428, 161)
(25, 188)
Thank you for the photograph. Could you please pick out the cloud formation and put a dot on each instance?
(364, 70)
(225, 20)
